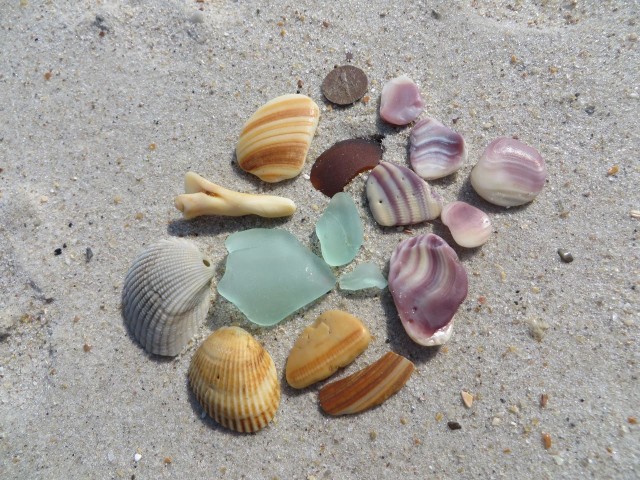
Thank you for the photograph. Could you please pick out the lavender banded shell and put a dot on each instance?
(435, 150)
(428, 284)
(400, 101)
(397, 196)
(509, 173)
(469, 226)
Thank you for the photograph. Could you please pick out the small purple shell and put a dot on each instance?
(470, 227)
(428, 284)
(400, 102)
(397, 196)
(435, 150)
(509, 173)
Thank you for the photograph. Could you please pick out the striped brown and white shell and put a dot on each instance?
(274, 142)
(428, 283)
(435, 150)
(397, 196)
(367, 388)
(166, 295)
(509, 173)
(235, 380)
(334, 340)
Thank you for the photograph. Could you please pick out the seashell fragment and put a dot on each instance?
(428, 284)
(334, 340)
(397, 196)
(470, 226)
(400, 101)
(345, 85)
(235, 380)
(509, 173)
(203, 197)
(274, 142)
(367, 388)
(435, 150)
(339, 164)
(165, 296)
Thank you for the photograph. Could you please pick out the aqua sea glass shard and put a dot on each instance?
(365, 275)
(270, 274)
(339, 230)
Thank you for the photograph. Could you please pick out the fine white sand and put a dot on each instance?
(105, 105)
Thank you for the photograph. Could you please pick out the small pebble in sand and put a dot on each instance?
(137, 457)
(632, 420)
(546, 441)
(373, 435)
(544, 398)
(635, 214)
(88, 254)
(167, 460)
(565, 255)
(467, 398)
(613, 170)
(87, 347)
(57, 251)
(454, 425)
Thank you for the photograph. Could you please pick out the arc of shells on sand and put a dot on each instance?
(166, 293)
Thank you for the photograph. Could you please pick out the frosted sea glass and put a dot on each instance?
(365, 275)
(270, 274)
(339, 230)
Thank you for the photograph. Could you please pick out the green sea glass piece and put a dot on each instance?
(365, 275)
(339, 230)
(270, 274)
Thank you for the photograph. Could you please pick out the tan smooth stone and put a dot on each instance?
(334, 340)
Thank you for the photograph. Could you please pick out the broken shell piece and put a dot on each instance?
(274, 142)
(235, 380)
(428, 284)
(203, 197)
(467, 398)
(334, 340)
(435, 150)
(397, 196)
(400, 101)
(166, 294)
(470, 226)
(509, 173)
(367, 388)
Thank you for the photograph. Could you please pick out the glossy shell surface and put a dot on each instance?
(428, 284)
(331, 342)
(400, 101)
(509, 173)
(166, 295)
(470, 227)
(435, 150)
(367, 388)
(274, 142)
(397, 196)
(235, 380)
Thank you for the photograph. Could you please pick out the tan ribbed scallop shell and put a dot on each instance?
(274, 142)
(166, 295)
(234, 379)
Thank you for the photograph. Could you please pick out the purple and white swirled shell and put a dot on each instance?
(397, 196)
(435, 150)
(400, 101)
(428, 284)
(470, 227)
(509, 173)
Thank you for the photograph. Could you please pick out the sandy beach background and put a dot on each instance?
(105, 105)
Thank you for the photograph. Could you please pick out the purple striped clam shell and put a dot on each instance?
(428, 284)
(470, 227)
(435, 150)
(509, 173)
(397, 196)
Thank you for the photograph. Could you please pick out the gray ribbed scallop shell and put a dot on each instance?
(166, 294)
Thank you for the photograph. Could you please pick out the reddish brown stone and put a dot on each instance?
(338, 165)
